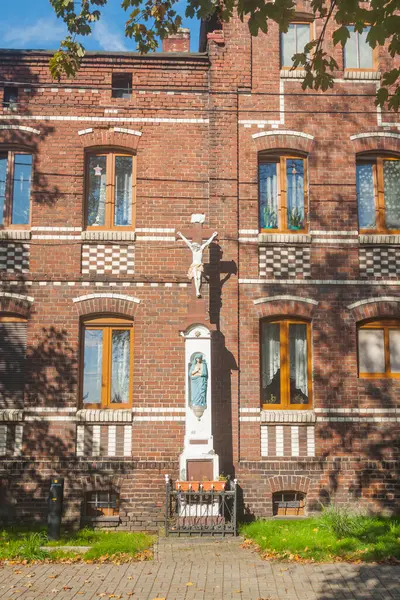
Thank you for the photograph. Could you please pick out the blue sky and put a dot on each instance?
(33, 24)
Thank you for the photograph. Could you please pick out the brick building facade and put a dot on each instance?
(302, 284)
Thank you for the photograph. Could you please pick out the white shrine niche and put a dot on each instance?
(198, 443)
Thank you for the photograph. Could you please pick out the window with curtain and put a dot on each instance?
(358, 54)
(378, 193)
(15, 188)
(293, 42)
(107, 354)
(379, 349)
(282, 184)
(285, 364)
(110, 191)
(12, 360)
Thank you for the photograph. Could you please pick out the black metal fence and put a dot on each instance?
(200, 511)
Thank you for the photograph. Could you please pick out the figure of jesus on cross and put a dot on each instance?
(197, 248)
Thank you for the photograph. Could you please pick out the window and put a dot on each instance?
(15, 188)
(10, 98)
(379, 349)
(285, 364)
(12, 360)
(101, 504)
(378, 196)
(287, 504)
(358, 54)
(122, 85)
(282, 193)
(107, 363)
(110, 190)
(293, 42)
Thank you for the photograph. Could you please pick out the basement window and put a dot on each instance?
(122, 85)
(101, 504)
(10, 98)
(288, 504)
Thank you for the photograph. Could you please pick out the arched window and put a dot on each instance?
(283, 197)
(12, 360)
(285, 364)
(379, 349)
(378, 184)
(110, 190)
(107, 353)
(15, 188)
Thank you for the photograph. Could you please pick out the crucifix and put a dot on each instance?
(197, 234)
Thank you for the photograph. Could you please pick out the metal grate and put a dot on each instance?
(201, 512)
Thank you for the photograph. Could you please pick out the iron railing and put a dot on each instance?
(201, 512)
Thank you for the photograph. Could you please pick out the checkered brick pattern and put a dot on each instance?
(14, 257)
(284, 262)
(103, 259)
(380, 262)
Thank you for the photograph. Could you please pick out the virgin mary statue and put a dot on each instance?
(198, 377)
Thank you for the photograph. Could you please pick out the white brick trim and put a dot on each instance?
(15, 234)
(79, 119)
(286, 297)
(287, 416)
(96, 440)
(299, 134)
(19, 434)
(112, 440)
(379, 239)
(3, 440)
(389, 282)
(97, 415)
(160, 418)
(362, 75)
(294, 440)
(310, 440)
(47, 228)
(80, 440)
(284, 238)
(372, 134)
(11, 414)
(20, 128)
(371, 300)
(280, 448)
(85, 131)
(127, 440)
(128, 131)
(16, 296)
(107, 295)
(119, 236)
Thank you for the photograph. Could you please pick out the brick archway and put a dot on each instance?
(296, 141)
(16, 304)
(376, 140)
(375, 308)
(285, 306)
(297, 483)
(113, 137)
(118, 304)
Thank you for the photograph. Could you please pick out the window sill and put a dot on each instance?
(15, 234)
(288, 416)
(112, 236)
(379, 239)
(295, 74)
(362, 75)
(284, 238)
(11, 414)
(103, 415)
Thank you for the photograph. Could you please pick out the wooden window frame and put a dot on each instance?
(110, 190)
(379, 192)
(285, 364)
(375, 58)
(386, 325)
(296, 22)
(280, 160)
(9, 198)
(107, 325)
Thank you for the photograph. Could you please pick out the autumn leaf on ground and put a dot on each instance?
(17, 572)
(66, 587)
(189, 583)
(55, 591)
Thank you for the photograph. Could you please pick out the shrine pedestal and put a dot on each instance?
(198, 460)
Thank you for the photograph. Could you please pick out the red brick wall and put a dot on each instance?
(197, 116)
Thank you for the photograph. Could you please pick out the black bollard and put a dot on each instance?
(55, 508)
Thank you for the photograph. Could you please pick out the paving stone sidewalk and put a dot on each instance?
(200, 569)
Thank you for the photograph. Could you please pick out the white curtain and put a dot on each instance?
(120, 366)
(298, 357)
(271, 353)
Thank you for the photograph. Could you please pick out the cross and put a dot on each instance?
(196, 232)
